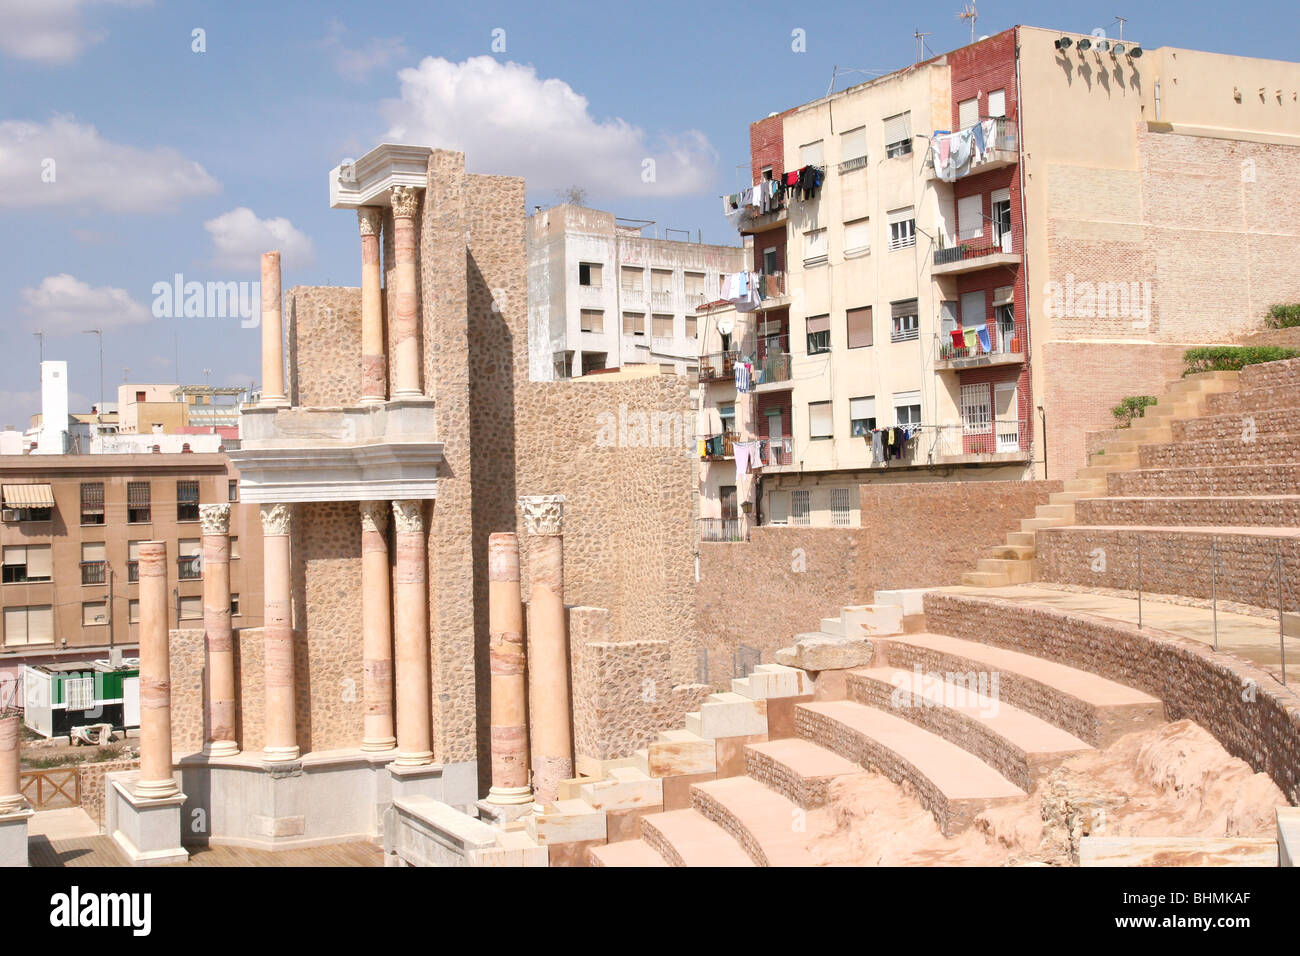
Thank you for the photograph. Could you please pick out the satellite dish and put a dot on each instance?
(726, 324)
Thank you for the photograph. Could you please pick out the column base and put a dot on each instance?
(499, 815)
(509, 796)
(371, 400)
(408, 393)
(221, 748)
(148, 830)
(274, 401)
(418, 759)
(280, 754)
(379, 744)
(155, 789)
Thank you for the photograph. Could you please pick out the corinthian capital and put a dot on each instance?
(215, 519)
(374, 516)
(277, 519)
(370, 219)
(406, 199)
(408, 516)
(543, 514)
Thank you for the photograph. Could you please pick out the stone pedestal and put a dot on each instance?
(376, 629)
(411, 627)
(278, 679)
(551, 729)
(148, 829)
(509, 731)
(219, 731)
(273, 392)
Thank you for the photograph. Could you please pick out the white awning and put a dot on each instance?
(28, 496)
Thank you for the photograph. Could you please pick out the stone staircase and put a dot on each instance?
(1183, 402)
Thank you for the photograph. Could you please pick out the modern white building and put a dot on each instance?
(601, 295)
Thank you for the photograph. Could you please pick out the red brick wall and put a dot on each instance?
(765, 402)
(984, 66)
(763, 240)
(767, 145)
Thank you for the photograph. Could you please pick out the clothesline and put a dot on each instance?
(954, 154)
(768, 195)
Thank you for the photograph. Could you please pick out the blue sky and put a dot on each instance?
(168, 160)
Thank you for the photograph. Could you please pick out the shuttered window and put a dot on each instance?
(898, 134)
(779, 506)
(92, 502)
(137, 502)
(853, 149)
(93, 613)
(998, 103)
(811, 154)
(191, 608)
(819, 334)
(820, 422)
(663, 325)
(187, 501)
(634, 323)
(859, 327)
(857, 236)
(633, 279)
(968, 113)
(862, 415)
(592, 320)
(814, 247)
(970, 217)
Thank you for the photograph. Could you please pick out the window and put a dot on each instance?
(29, 625)
(633, 279)
(820, 423)
(93, 562)
(661, 281)
(189, 559)
(187, 501)
(1001, 202)
(692, 327)
(234, 547)
(970, 217)
(968, 113)
(778, 508)
(862, 415)
(592, 320)
(132, 561)
(902, 228)
(30, 562)
(853, 149)
(907, 408)
(663, 326)
(667, 368)
(907, 324)
(727, 416)
(35, 514)
(137, 502)
(93, 613)
(769, 261)
(898, 135)
(799, 510)
(811, 154)
(998, 103)
(593, 362)
(814, 247)
(819, 334)
(232, 490)
(589, 274)
(972, 312)
(191, 607)
(840, 507)
(634, 323)
(694, 283)
(234, 605)
(139, 396)
(92, 502)
(976, 410)
(859, 327)
(561, 363)
(857, 237)
(79, 693)
(133, 611)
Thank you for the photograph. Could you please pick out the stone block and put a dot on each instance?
(731, 715)
(871, 620)
(821, 653)
(626, 787)
(566, 821)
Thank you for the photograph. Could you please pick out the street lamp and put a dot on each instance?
(1042, 416)
(99, 414)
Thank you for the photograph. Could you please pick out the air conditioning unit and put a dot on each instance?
(10, 514)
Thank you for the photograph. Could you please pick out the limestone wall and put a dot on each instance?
(323, 324)
(92, 783)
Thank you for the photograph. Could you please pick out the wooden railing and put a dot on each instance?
(52, 788)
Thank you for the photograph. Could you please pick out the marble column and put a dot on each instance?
(411, 636)
(277, 629)
(273, 392)
(219, 738)
(376, 628)
(11, 795)
(551, 729)
(374, 364)
(155, 779)
(406, 332)
(509, 733)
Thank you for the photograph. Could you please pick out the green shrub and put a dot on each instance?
(1283, 316)
(1232, 358)
(1131, 407)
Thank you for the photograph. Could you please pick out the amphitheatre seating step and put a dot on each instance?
(1267, 374)
(1279, 421)
(1013, 741)
(985, 579)
(1252, 400)
(625, 853)
(1094, 709)
(1216, 480)
(798, 769)
(728, 714)
(689, 838)
(1017, 570)
(761, 820)
(951, 783)
(1264, 450)
(1250, 510)
(768, 681)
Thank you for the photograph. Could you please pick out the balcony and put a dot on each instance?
(1007, 440)
(775, 291)
(1000, 150)
(189, 567)
(776, 451)
(93, 572)
(718, 366)
(721, 529)
(749, 225)
(1007, 350)
(974, 256)
(719, 447)
(773, 370)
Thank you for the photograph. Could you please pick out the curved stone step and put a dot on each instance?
(1235, 510)
(1094, 709)
(1208, 480)
(1014, 742)
(949, 782)
(688, 838)
(770, 828)
(798, 769)
(625, 853)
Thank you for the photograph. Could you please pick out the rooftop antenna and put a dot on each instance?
(1121, 21)
(126, 375)
(920, 43)
(970, 14)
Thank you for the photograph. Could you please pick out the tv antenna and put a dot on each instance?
(970, 14)
(919, 37)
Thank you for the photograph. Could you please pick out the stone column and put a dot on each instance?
(411, 633)
(155, 779)
(551, 727)
(510, 784)
(11, 794)
(406, 333)
(374, 365)
(278, 680)
(273, 392)
(219, 740)
(376, 628)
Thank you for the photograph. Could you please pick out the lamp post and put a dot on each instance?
(99, 413)
(1042, 417)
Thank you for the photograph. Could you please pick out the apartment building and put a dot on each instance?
(602, 295)
(1078, 213)
(71, 528)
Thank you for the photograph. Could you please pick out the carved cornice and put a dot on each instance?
(215, 519)
(409, 516)
(277, 519)
(406, 200)
(543, 514)
(374, 516)
(370, 219)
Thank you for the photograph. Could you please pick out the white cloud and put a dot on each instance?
(64, 162)
(239, 238)
(356, 63)
(63, 304)
(509, 121)
(50, 31)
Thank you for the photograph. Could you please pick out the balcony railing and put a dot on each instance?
(718, 447)
(1000, 148)
(721, 529)
(1005, 341)
(968, 250)
(1000, 437)
(189, 567)
(776, 451)
(718, 365)
(773, 285)
(774, 359)
(93, 572)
